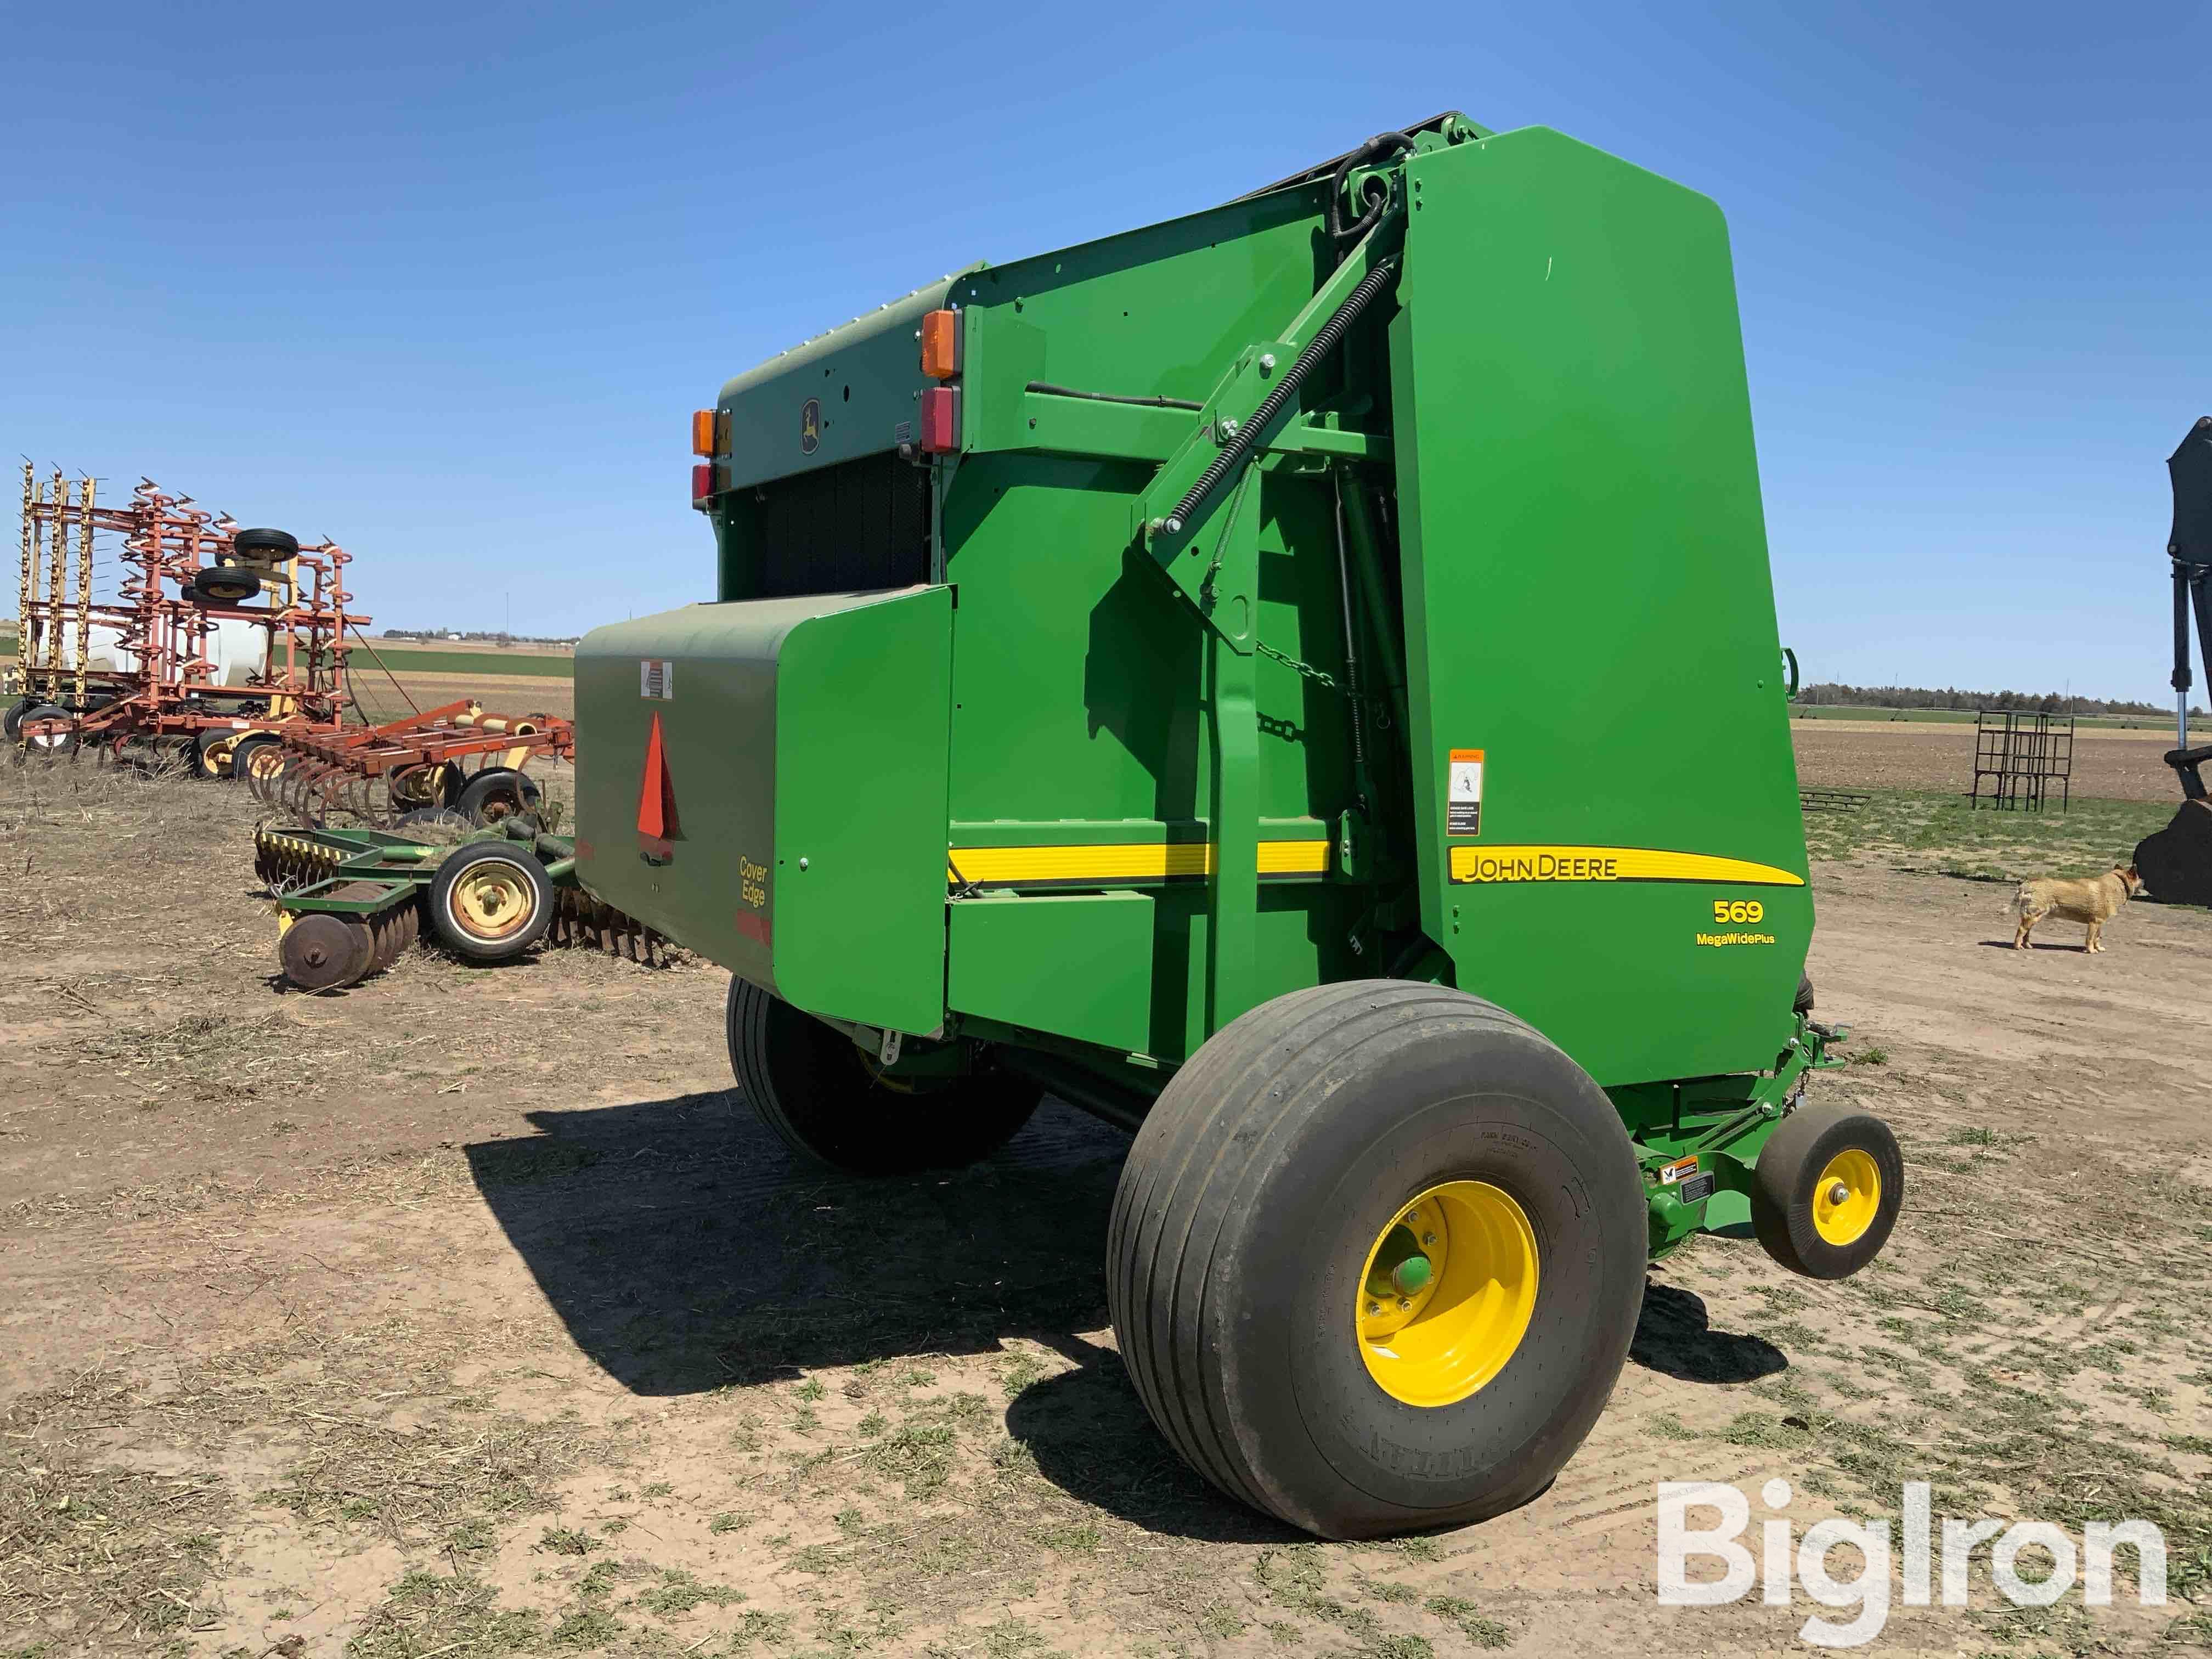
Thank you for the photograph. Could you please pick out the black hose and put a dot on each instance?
(1051, 391)
(1271, 405)
(1383, 144)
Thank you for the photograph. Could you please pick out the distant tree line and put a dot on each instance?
(477, 636)
(1920, 696)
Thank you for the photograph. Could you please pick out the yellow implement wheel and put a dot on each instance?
(212, 748)
(1846, 1197)
(1447, 1292)
(1826, 1189)
(490, 900)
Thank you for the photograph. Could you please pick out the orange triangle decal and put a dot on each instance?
(656, 794)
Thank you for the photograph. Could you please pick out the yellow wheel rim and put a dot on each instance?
(1846, 1197)
(218, 755)
(492, 900)
(263, 759)
(1446, 1293)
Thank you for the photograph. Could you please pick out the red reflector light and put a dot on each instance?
(940, 419)
(941, 344)
(702, 482)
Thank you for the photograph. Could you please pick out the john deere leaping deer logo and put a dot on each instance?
(810, 427)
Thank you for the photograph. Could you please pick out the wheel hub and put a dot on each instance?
(492, 900)
(1447, 1294)
(1846, 1197)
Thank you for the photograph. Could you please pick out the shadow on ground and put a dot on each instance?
(1674, 1337)
(686, 1250)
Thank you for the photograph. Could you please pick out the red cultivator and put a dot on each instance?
(399, 772)
(196, 632)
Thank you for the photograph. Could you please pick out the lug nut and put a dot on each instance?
(1374, 1307)
(1428, 1239)
(1403, 1303)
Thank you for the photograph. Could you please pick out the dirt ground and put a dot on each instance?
(2108, 765)
(468, 1313)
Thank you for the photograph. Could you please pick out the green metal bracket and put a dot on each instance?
(1242, 392)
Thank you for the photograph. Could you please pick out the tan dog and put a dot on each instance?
(2094, 901)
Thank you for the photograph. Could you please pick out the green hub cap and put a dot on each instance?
(1400, 1267)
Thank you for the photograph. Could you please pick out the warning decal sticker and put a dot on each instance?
(1463, 799)
(656, 679)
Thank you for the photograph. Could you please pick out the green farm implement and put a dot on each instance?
(351, 900)
(1299, 681)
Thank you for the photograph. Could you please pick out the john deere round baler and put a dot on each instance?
(1298, 681)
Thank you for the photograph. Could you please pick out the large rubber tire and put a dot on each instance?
(242, 752)
(213, 749)
(1242, 1228)
(495, 794)
(11, 722)
(810, 1083)
(225, 585)
(521, 920)
(52, 745)
(1792, 1167)
(1803, 1003)
(263, 546)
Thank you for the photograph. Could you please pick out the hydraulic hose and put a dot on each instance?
(1319, 346)
(1375, 148)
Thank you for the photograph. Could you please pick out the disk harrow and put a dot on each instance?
(378, 775)
(351, 901)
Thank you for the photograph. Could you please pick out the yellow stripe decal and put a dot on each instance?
(1015, 866)
(1495, 864)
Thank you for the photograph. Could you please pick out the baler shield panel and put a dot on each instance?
(1588, 603)
(805, 747)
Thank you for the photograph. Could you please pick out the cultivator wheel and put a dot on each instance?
(212, 750)
(324, 952)
(427, 786)
(47, 730)
(288, 863)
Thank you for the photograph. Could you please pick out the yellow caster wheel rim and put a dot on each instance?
(1846, 1197)
(1446, 1293)
(492, 900)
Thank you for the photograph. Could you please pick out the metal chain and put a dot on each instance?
(1306, 670)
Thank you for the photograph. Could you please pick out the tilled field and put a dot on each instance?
(469, 1313)
(1852, 755)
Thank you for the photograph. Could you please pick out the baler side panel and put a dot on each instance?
(1588, 604)
(1078, 703)
(811, 729)
(718, 721)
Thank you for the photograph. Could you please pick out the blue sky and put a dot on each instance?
(443, 283)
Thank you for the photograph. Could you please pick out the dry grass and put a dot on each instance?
(1932, 834)
(92, 1555)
